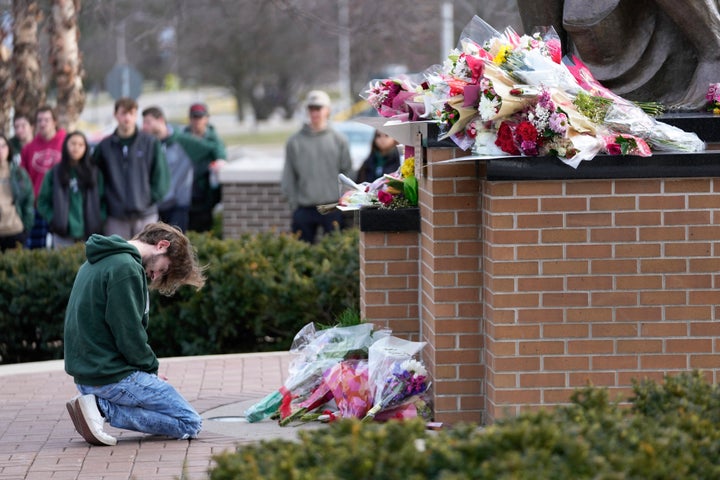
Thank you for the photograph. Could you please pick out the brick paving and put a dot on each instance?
(38, 441)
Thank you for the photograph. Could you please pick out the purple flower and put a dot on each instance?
(529, 148)
(545, 101)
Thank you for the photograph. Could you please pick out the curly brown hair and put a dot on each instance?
(184, 268)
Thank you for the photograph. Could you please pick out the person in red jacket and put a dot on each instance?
(37, 158)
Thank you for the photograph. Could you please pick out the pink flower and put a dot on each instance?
(555, 49)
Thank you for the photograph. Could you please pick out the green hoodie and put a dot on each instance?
(107, 315)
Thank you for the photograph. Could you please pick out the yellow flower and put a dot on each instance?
(501, 55)
(408, 167)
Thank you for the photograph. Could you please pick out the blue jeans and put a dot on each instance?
(144, 403)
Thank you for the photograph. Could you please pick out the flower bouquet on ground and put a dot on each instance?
(396, 377)
(348, 382)
(316, 352)
(319, 397)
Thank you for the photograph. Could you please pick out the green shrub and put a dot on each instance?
(671, 431)
(34, 289)
(261, 289)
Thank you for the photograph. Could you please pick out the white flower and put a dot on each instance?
(414, 366)
(488, 108)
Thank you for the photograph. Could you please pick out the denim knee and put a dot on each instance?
(191, 426)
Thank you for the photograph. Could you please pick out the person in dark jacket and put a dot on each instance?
(135, 171)
(106, 341)
(207, 191)
(71, 194)
(383, 158)
(17, 210)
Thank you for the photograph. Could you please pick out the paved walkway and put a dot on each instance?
(38, 441)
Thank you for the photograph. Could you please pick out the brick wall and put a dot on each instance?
(254, 208)
(389, 281)
(598, 281)
(530, 289)
(252, 201)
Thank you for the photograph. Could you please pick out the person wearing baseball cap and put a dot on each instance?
(314, 157)
(200, 127)
(206, 192)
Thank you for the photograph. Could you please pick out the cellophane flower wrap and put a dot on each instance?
(396, 376)
(483, 94)
(316, 351)
(348, 382)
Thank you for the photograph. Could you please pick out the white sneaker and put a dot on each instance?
(88, 421)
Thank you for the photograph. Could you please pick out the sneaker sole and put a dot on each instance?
(73, 416)
(82, 426)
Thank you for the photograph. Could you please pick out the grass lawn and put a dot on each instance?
(270, 137)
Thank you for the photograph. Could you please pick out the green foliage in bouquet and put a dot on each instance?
(671, 430)
(261, 289)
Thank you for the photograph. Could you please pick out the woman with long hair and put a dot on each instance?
(17, 212)
(70, 198)
(383, 158)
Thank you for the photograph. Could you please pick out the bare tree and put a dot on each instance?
(28, 90)
(66, 61)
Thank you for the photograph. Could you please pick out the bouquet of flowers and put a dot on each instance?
(508, 94)
(317, 351)
(396, 190)
(348, 382)
(319, 397)
(396, 98)
(713, 98)
(396, 377)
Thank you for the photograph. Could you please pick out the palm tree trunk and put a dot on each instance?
(66, 62)
(28, 90)
(5, 86)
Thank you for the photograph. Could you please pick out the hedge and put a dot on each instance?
(261, 289)
(669, 431)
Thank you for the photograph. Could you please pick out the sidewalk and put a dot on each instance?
(38, 441)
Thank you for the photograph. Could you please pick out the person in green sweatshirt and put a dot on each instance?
(106, 341)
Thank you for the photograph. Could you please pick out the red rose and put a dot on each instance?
(613, 149)
(384, 197)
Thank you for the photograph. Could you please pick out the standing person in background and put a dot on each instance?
(16, 199)
(185, 155)
(314, 157)
(383, 158)
(22, 125)
(106, 342)
(37, 158)
(200, 127)
(135, 172)
(70, 197)
(207, 192)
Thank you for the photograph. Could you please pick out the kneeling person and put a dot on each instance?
(106, 342)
